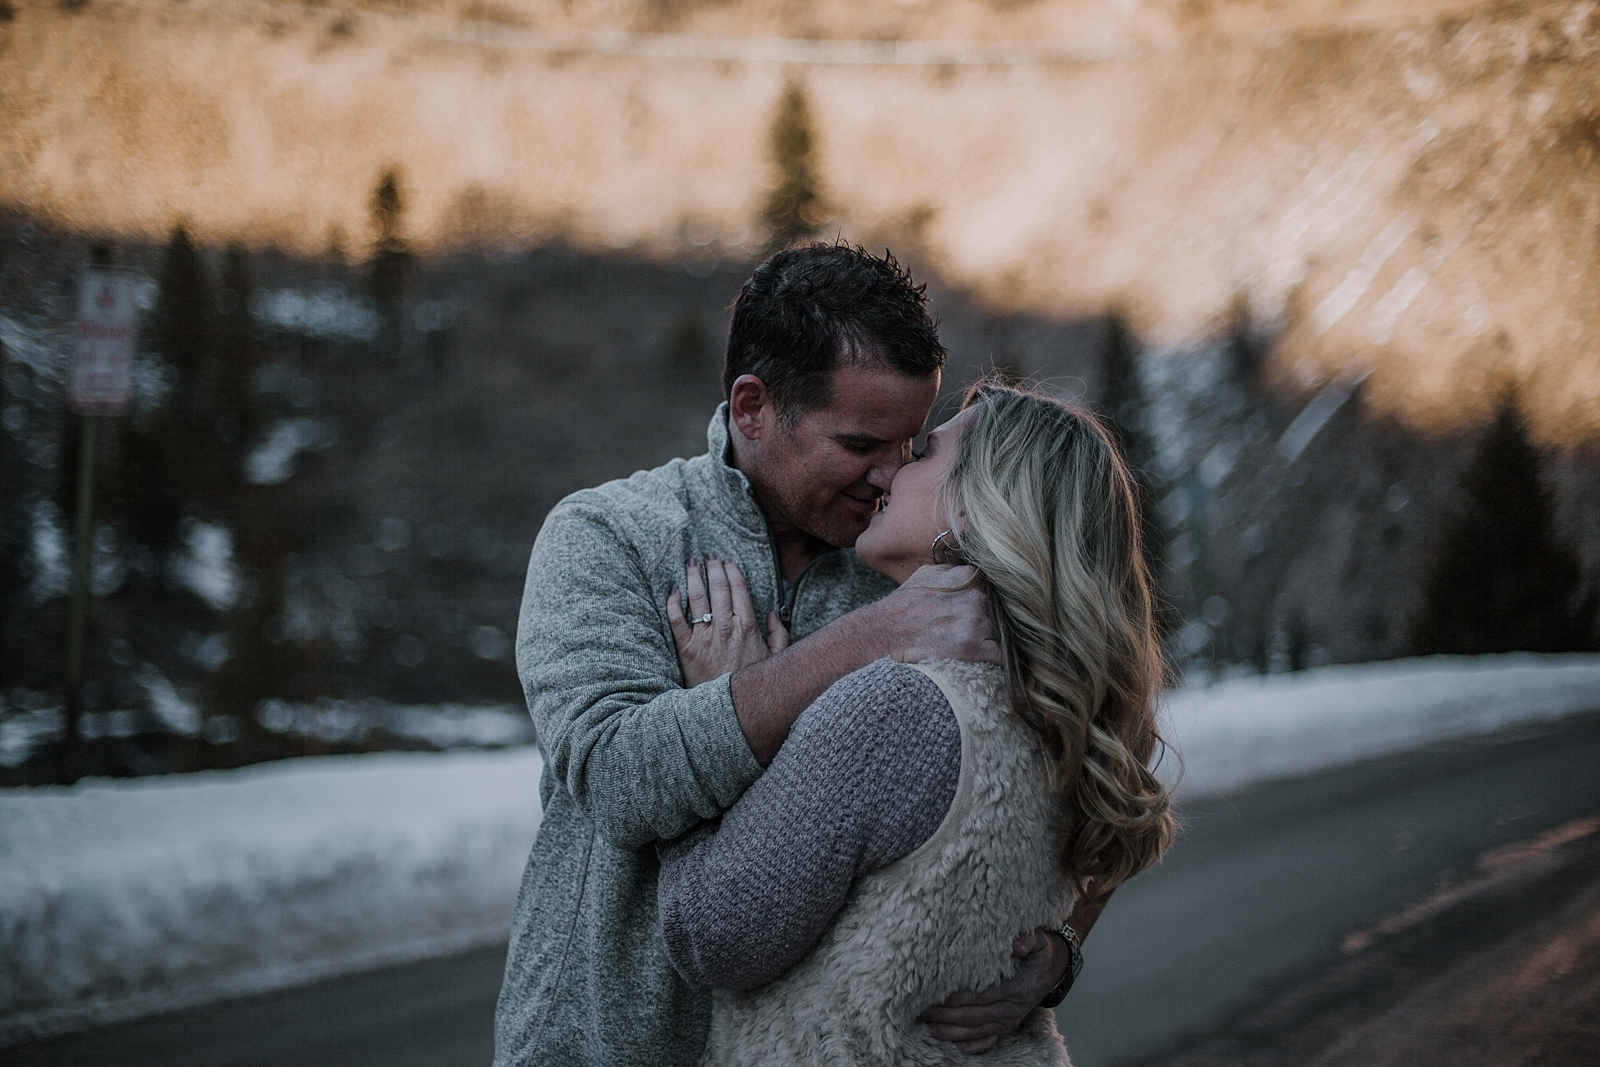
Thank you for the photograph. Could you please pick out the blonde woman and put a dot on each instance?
(921, 817)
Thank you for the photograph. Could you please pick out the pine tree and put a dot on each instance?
(237, 354)
(1502, 580)
(257, 664)
(1122, 406)
(260, 540)
(1247, 348)
(795, 208)
(13, 528)
(165, 457)
(179, 328)
(391, 255)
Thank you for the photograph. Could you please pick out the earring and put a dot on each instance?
(933, 549)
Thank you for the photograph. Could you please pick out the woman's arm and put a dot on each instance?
(864, 779)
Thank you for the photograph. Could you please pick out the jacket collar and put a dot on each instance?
(731, 492)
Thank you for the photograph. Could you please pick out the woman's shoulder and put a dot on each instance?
(882, 681)
(886, 672)
(976, 683)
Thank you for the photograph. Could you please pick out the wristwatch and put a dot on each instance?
(1074, 965)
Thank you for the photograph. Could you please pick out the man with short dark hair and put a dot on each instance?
(833, 365)
(807, 309)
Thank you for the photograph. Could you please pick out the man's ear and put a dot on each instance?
(750, 406)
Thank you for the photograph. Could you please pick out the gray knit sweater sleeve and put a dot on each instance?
(865, 777)
(643, 758)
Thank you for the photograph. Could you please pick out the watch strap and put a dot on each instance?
(1074, 964)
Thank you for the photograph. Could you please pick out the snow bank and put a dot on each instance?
(122, 898)
(1246, 730)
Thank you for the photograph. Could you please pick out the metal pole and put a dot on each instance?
(80, 597)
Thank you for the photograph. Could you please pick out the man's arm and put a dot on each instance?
(975, 1021)
(937, 614)
(641, 756)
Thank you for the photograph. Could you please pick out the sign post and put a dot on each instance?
(102, 370)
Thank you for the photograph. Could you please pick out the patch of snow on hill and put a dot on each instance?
(119, 898)
(1246, 730)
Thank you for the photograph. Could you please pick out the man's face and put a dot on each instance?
(824, 473)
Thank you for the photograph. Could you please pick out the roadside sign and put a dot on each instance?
(102, 367)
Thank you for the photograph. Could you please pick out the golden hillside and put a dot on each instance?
(1407, 188)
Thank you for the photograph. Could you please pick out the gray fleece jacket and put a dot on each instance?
(631, 757)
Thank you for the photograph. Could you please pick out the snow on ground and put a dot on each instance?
(121, 898)
(118, 898)
(1246, 730)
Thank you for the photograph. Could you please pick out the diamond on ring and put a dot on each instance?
(704, 618)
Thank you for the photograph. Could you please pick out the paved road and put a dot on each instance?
(1265, 881)
(1261, 883)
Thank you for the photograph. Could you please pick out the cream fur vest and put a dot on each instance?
(934, 922)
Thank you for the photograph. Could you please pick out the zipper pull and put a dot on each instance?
(786, 609)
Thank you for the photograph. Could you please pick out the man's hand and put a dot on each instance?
(938, 613)
(973, 1022)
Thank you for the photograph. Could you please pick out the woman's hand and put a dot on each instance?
(722, 635)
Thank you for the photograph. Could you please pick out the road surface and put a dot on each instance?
(1265, 881)
(1261, 883)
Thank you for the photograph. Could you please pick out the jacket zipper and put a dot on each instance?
(786, 603)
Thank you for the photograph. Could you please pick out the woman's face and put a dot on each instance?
(900, 536)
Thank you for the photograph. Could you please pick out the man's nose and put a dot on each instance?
(881, 476)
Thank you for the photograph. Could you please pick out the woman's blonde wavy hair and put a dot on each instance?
(1044, 507)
